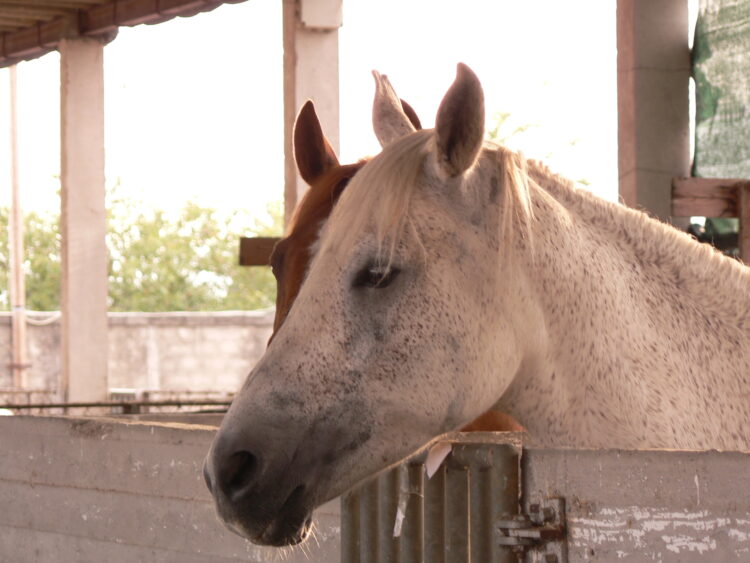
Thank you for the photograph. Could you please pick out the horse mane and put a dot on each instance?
(382, 191)
(653, 242)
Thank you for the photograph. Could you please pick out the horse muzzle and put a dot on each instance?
(262, 504)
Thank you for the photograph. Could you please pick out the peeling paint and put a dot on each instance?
(632, 529)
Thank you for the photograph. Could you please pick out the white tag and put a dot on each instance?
(436, 456)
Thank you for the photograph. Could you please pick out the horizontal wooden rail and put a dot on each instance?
(706, 197)
(256, 251)
(715, 197)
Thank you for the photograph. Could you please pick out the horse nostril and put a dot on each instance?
(237, 474)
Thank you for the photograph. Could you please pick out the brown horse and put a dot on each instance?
(319, 167)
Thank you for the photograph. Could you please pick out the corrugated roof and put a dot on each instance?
(30, 28)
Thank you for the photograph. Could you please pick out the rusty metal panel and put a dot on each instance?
(404, 517)
(635, 506)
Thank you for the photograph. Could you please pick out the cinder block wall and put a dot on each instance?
(180, 351)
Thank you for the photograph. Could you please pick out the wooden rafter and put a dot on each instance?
(30, 28)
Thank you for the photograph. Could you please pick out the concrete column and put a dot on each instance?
(653, 69)
(16, 228)
(311, 71)
(83, 221)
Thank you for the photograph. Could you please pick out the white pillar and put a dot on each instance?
(653, 69)
(311, 71)
(83, 221)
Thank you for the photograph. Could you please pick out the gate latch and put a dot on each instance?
(542, 525)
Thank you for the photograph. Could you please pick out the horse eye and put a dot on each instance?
(376, 277)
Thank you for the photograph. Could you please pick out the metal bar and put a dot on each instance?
(350, 526)
(412, 533)
(434, 517)
(505, 487)
(116, 404)
(388, 491)
(457, 512)
(368, 518)
(480, 522)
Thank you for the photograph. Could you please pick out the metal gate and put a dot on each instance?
(494, 501)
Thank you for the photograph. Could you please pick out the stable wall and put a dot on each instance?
(76, 489)
(175, 351)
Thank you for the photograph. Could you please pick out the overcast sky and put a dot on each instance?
(194, 106)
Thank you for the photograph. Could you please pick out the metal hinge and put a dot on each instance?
(538, 535)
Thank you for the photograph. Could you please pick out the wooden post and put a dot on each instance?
(83, 221)
(311, 71)
(743, 203)
(653, 69)
(17, 278)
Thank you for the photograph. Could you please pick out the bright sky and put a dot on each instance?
(194, 106)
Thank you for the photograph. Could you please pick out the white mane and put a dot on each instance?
(380, 193)
(694, 267)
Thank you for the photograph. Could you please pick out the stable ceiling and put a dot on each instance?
(31, 28)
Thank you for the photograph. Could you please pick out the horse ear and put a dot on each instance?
(390, 118)
(411, 114)
(459, 127)
(312, 151)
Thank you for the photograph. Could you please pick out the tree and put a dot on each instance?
(157, 261)
(41, 261)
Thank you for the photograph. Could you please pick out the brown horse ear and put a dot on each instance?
(411, 114)
(312, 151)
(389, 119)
(459, 126)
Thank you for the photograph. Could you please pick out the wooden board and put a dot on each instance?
(256, 251)
(705, 197)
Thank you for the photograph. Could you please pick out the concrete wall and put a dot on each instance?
(180, 351)
(106, 490)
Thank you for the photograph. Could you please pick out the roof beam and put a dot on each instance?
(94, 19)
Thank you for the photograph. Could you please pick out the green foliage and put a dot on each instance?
(500, 132)
(41, 261)
(157, 261)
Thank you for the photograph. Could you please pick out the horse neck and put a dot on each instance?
(647, 249)
(635, 316)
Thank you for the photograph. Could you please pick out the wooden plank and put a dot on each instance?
(83, 219)
(256, 251)
(743, 193)
(705, 197)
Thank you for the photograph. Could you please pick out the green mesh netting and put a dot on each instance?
(721, 68)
